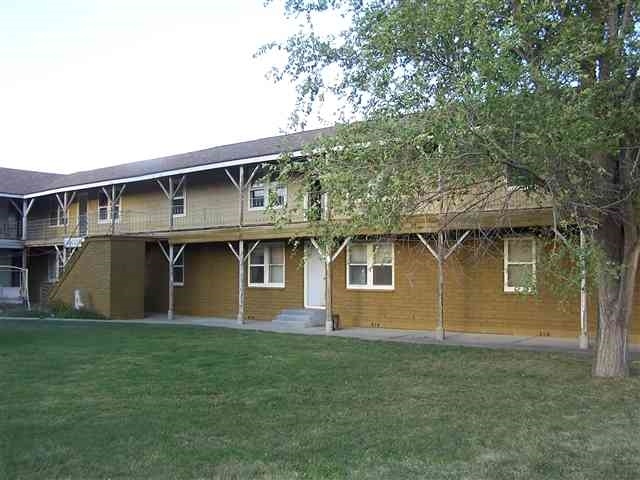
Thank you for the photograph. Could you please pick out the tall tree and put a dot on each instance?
(462, 89)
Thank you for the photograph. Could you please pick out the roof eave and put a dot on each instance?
(162, 174)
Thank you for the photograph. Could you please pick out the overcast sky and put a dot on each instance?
(89, 83)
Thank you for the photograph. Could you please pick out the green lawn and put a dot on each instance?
(120, 401)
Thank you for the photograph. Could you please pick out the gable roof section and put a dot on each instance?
(207, 158)
(14, 182)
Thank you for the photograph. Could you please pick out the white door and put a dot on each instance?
(314, 278)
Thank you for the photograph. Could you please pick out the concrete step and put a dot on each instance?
(300, 318)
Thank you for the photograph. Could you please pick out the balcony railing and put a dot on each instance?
(137, 222)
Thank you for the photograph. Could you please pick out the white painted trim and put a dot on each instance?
(163, 174)
(109, 209)
(506, 263)
(11, 195)
(182, 184)
(258, 186)
(370, 285)
(266, 265)
(183, 266)
(267, 187)
(307, 248)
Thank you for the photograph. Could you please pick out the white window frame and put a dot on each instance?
(267, 263)
(182, 196)
(511, 289)
(258, 186)
(267, 187)
(370, 259)
(179, 264)
(60, 216)
(101, 194)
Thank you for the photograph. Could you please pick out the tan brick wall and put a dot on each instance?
(211, 285)
(156, 280)
(266, 303)
(475, 300)
(111, 271)
(90, 271)
(127, 278)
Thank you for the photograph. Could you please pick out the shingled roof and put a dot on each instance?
(223, 153)
(20, 182)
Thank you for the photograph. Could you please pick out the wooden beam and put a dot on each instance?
(233, 180)
(15, 205)
(255, 244)
(29, 205)
(233, 250)
(339, 251)
(164, 251)
(60, 202)
(175, 258)
(120, 192)
(426, 244)
(250, 179)
(457, 244)
(166, 194)
(241, 281)
(322, 254)
(171, 300)
(178, 186)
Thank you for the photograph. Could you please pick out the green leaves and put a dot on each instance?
(454, 92)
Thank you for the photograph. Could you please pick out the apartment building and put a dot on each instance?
(190, 234)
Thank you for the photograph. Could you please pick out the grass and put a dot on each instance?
(142, 401)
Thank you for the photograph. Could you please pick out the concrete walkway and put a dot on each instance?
(480, 340)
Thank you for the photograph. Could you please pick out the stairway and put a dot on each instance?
(300, 318)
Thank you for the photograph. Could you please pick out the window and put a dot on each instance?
(178, 205)
(259, 193)
(266, 266)
(178, 270)
(519, 264)
(104, 208)
(314, 202)
(370, 266)
(256, 197)
(54, 267)
(56, 214)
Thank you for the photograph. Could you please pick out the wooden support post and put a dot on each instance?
(171, 260)
(26, 287)
(328, 294)
(583, 339)
(171, 195)
(113, 209)
(241, 282)
(439, 333)
(441, 255)
(328, 298)
(24, 212)
(241, 186)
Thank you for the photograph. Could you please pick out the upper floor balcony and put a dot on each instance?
(203, 200)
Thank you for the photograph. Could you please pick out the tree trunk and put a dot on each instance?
(616, 288)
